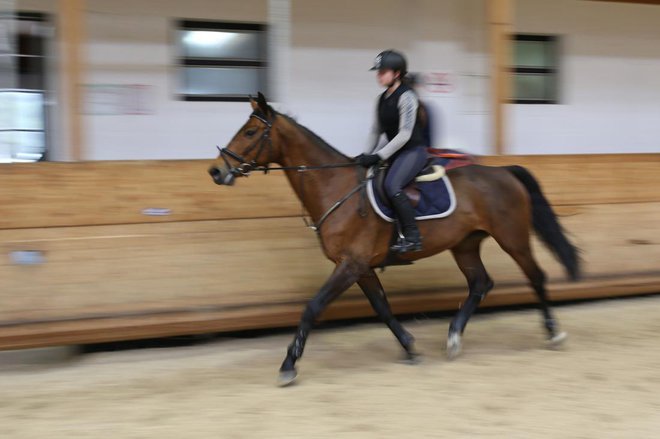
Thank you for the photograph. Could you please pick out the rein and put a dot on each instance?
(246, 167)
(361, 209)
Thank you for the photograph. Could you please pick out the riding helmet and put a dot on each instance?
(391, 59)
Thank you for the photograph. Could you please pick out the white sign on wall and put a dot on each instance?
(123, 99)
(439, 83)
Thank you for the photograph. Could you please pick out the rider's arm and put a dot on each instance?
(408, 104)
(374, 134)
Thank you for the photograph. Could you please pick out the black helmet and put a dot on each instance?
(391, 59)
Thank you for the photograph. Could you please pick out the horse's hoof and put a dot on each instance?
(286, 377)
(454, 345)
(411, 358)
(557, 340)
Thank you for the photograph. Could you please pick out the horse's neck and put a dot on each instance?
(319, 189)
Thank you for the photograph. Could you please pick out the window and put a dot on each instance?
(535, 71)
(220, 61)
(23, 134)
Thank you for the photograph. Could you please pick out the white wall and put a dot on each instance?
(334, 44)
(132, 43)
(329, 87)
(610, 79)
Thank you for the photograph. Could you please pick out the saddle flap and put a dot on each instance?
(413, 194)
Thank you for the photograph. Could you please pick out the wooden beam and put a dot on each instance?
(500, 26)
(199, 322)
(71, 17)
(279, 20)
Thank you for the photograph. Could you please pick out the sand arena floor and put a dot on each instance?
(605, 383)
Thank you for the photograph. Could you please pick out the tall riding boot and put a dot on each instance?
(405, 213)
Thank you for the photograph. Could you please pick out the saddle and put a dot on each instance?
(439, 161)
(430, 172)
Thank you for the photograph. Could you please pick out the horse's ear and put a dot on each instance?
(263, 104)
(253, 103)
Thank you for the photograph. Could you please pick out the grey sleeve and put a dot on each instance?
(374, 133)
(408, 105)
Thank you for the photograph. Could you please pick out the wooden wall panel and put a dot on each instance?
(151, 325)
(235, 265)
(98, 193)
(592, 179)
(240, 258)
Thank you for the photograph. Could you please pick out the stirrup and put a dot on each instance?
(405, 246)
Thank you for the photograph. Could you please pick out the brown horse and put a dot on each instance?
(502, 202)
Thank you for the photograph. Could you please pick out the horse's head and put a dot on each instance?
(251, 147)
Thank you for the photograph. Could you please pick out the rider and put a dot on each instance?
(427, 117)
(397, 117)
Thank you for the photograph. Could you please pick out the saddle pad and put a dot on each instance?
(437, 200)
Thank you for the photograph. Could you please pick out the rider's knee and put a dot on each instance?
(392, 190)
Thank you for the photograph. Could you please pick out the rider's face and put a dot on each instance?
(386, 77)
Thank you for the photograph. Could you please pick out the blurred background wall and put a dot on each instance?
(132, 239)
(606, 85)
(609, 86)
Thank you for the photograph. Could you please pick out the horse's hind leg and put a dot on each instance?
(373, 289)
(521, 252)
(469, 261)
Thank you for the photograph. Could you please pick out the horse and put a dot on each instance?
(500, 202)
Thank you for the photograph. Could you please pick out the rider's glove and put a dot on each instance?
(367, 160)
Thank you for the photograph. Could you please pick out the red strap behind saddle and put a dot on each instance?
(456, 159)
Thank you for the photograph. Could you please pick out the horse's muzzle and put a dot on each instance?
(221, 176)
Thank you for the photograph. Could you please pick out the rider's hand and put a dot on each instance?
(367, 160)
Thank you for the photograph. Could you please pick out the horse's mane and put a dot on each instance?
(313, 136)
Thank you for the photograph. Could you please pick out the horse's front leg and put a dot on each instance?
(345, 274)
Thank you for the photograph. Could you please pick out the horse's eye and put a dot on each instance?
(251, 132)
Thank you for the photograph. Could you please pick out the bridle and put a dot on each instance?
(245, 167)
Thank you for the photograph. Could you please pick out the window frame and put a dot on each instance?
(545, 71)
(219, 26)
(43, 19)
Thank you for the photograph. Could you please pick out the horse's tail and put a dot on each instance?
(547, 225)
